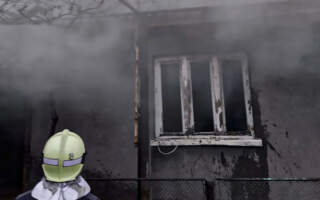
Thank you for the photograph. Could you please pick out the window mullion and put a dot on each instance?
(247, 94)
(158, 100)
(217, 96)
(186, 95)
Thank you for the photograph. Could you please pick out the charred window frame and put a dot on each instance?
(181, 72)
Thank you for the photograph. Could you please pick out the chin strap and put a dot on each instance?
(73, 190)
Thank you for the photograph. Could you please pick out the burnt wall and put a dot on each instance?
(12, 131)
(288, 90)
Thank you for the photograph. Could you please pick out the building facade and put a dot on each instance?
(218, 89)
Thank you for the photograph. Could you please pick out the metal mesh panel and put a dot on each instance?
(149, 189)
(199, 189)
(267, 189)
(177, 190)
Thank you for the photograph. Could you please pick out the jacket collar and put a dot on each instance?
(47, 190)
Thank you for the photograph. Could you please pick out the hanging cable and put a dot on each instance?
(167, 153)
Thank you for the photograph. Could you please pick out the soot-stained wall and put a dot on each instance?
(288, 90)
(12, 126)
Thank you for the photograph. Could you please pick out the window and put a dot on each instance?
(203, 100)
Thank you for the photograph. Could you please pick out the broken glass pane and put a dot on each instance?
(234, 95)
(171, 98)
(201, 93)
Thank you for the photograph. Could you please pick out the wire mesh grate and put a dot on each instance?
(200, 189)
(267, 189)
(149, 189)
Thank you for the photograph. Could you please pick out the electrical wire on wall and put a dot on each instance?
(167, 153)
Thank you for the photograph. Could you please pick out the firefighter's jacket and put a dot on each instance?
(27, 196)
(46, 190)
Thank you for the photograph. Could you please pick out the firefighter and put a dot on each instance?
(63, 158)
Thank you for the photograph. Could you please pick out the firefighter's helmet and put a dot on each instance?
(63, 156)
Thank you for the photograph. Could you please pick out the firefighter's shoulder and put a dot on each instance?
(25, 196)
(90, 196)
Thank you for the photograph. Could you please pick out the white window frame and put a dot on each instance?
(219, 136)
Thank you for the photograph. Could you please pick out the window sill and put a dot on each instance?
(247, 141)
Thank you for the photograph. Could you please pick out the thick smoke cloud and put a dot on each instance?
(49, 57)
(84, 75)
(52, 56)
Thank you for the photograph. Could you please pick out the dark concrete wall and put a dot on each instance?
(12, 129)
